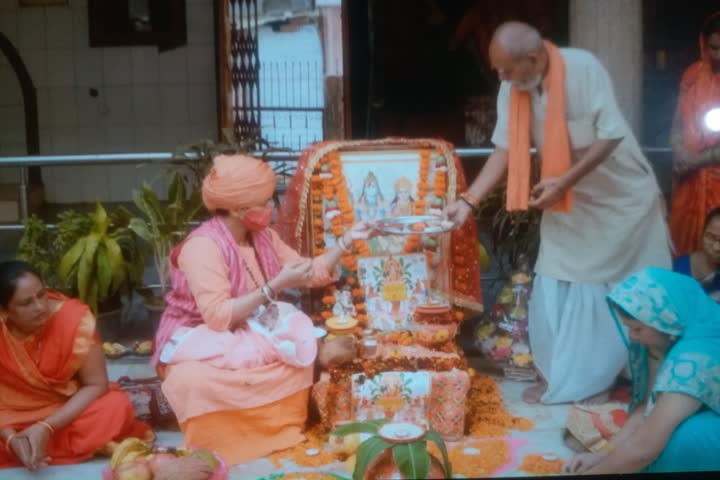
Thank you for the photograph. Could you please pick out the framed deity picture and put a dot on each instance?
(380, 185)
(381, 280)
(394, 285)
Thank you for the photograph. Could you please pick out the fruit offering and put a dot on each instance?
(143, 348)
(134, 459)
(502, 334)
(115, 350)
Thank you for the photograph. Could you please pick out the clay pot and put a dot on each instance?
(432, 313)
(434, 334)
(384, 468)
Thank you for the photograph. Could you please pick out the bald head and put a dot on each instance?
(517, 53)
(517, 39)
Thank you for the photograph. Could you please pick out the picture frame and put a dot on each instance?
(382, 184)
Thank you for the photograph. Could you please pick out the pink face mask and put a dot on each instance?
(258, 218)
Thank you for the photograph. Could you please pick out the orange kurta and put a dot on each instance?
(240, 414)
(38, 376)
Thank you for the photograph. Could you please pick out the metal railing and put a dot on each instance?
(25, 162)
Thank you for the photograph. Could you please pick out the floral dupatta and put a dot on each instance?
(677, 305)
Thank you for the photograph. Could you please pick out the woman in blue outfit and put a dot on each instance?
(672, 330)
(704, 265)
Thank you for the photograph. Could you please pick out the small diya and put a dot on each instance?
(401, 432)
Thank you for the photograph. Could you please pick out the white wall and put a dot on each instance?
(148, 101)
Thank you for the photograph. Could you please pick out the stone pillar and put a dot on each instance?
(332, 45)
(612, 30)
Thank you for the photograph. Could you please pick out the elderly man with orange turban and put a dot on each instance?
(224, 275)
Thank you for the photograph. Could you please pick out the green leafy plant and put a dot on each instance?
(95, 269)
(43, 246)
(513, 234)
(35, 246)
(163, 225)
(412, 458)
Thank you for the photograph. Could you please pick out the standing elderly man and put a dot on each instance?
(602, 209)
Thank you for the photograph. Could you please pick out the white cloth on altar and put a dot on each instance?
(403, 395)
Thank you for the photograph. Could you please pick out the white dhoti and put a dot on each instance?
(575, 343)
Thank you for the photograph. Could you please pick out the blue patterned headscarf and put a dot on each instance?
(677, 305)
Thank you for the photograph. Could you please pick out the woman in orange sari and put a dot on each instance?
(55, 406)
(696, 147)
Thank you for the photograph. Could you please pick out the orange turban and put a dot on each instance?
(237, 181)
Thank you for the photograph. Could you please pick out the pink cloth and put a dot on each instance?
(182, 309)
(208, 271)
(292, 341)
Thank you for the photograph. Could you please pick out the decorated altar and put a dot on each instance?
(402, 296)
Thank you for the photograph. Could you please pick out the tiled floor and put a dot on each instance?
(545, 438)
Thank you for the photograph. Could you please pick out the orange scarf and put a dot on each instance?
(700, 91)
(556, 159)
(37, 376)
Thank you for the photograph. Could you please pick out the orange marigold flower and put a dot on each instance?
(535, 464)
(459, 316)
(326, 315)
(328, 300)
(351, 281)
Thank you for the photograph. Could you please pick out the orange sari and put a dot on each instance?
(694, 196)
(38, 376)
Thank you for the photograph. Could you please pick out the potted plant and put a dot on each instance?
(43, 247)
(96, 270)
(396, 450)
(513, 234)
(162, 225)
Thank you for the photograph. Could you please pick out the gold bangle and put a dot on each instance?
(47, 425)
(472, 202)
(8, 440)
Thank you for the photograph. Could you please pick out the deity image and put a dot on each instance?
(371, 204)
(402, 204)
(392, 272)
(344, 306)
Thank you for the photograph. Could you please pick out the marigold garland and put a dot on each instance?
(493, 454)
(536, 464)
(315, 439)
(328, 183)
(485, 411)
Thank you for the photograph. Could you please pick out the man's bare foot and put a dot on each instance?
(600, 398)
(534, 394)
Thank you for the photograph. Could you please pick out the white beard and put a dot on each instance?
(530, 84)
